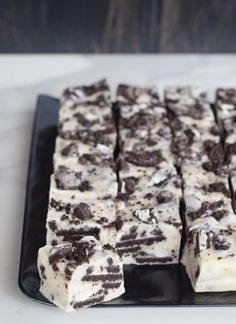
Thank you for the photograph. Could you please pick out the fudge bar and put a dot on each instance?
(86, 181)
(98, 93)
(80, 274)
(74, 150)
(88, 127)
(132, 95)
(210, 259)
(69, 219)
(147, 208)
(207, 197)
(188, 101)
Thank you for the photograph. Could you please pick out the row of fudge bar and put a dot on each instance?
(147, 208)
(226, 116)
(79, 266)
(209, 252)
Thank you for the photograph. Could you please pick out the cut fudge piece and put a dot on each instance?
(193, 140)
(85, 182)
(210, 259)
(151, 143)
(73, 150)
(230, 157)
(188, 101)
(87, 164)
(105, 136)
(88, 114)
(207, 196)
(69, 219)
(226, 110)
(141, 117)
(98, 92)
(131, 95)
(226, 115)
(80, 274)
(84, 119)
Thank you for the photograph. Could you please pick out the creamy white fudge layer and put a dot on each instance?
(73, 150)
(87, 114)
(226, 109)
(132, 95)
(69, 219)
(210, 259)
(98, 92)
(207, 196)
(188, 101)
(90, 173)
(98, 185)
(148, 220)
(80, 274)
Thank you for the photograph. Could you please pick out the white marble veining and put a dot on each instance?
(22, 79)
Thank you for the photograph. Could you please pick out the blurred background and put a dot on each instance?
(117, 26)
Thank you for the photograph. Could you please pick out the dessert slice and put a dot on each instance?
(131, 95)
(84, 181)
(80, 274)
(210, 259)
(188, 101)
(72, 150)
(69, 219)
(98, 92)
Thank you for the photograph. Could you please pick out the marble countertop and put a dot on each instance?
(23, 77)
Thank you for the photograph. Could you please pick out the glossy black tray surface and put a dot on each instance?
(145, 286)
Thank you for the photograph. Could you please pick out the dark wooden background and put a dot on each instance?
(117, 26)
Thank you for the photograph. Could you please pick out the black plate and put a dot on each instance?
(145, 286)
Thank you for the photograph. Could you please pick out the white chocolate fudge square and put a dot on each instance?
(69, 219)
(80, 274)
(98, 92)
(188, 101)
(149, 235)
(89, 183)
(226, 110)
(87, 114)
(210, 259)
(134, 95)
(73, 150)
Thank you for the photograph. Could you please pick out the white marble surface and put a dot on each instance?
(22, 78)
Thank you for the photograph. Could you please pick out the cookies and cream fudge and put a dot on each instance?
(188, 101)
(69, 219)
(132, 95)
(226, 109)
(226, 116)
(209, 257)
(98, 93)
(80, 274)
(88, 182)
(86, 128)
(74, 150)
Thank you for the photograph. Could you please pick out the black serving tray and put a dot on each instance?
(145, 285)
